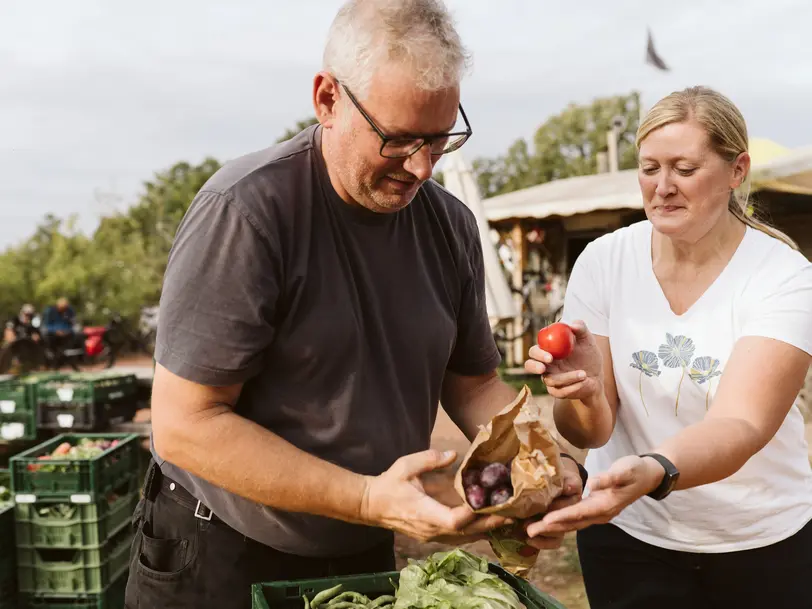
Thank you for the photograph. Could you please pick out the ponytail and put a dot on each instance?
(745, 211)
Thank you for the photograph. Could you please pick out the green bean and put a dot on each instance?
(322, 596)
(348, 596)
(382, 601)
(348, 605)
(306, 601)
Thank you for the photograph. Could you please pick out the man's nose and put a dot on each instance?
(420, 164)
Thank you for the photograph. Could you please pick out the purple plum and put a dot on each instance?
(501, 495)
(470, 476)
(476, 496)
(494, 475)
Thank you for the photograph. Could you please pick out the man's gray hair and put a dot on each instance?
(367, 34)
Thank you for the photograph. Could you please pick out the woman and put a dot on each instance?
(694, 335)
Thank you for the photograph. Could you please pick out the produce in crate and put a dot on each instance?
(85, 448)
(5, 495)
(455, 579)
(513, 469)
(448, 580)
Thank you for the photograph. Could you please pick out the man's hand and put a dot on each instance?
(396, 500)
(573, 489)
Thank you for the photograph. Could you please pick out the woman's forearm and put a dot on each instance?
(711, 450)
(585, 423)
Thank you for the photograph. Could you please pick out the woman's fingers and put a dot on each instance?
(564, 379)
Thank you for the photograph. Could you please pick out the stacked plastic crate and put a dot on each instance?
(74, 499)
(87, 401)
(18, 407)
(8, 574)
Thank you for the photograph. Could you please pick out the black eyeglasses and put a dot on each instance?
(406, 145)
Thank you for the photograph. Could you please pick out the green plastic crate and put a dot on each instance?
(20, 394)
(8, 559)
(87, 388)
(63, 572)
(112, 598)
(49, 524)
(18, 426)
(288, 595)
(75, 480)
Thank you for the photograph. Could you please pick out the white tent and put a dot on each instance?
(788, 172)
(460, 181)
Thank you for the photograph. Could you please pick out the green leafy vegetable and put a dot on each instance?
(453, 580)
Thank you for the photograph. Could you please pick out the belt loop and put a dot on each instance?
(152, 483)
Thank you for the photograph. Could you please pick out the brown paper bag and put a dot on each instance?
(517, 436)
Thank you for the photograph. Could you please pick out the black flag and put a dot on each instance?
(651, 55)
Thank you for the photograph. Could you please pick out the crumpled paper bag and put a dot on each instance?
(517, 433)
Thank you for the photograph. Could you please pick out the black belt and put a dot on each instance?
(156, 482)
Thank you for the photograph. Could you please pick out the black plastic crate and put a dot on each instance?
(87, 416)
(77, 480)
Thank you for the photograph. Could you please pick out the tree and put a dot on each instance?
(566, 145)
(300, 126)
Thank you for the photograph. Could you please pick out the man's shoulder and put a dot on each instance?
(451, 210)
(265, 171)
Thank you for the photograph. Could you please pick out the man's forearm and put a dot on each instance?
(478, 404)
(244, 458)
(585, 424)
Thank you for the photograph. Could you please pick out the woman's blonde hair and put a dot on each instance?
(727, 132)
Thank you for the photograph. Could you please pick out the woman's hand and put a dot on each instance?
(577, 377)
(626, 481)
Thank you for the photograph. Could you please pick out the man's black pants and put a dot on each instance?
(621, 572)
(179, 560)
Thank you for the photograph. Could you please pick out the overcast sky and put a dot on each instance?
(97, 95)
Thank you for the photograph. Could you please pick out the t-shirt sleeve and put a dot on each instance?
(475, 350)
(785, 311)
(585, 297)
(219, 295)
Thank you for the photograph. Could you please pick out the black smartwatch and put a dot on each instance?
(669, 479)
(581, 470)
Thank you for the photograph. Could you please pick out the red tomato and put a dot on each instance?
(557, 339)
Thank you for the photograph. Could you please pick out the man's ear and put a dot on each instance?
(325, 98)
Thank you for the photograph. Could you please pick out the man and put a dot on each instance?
(320, 299)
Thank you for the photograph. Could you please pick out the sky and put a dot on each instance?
(96, 96)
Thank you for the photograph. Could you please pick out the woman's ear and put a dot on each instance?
(741, 169)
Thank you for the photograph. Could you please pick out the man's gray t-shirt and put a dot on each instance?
(340, 322)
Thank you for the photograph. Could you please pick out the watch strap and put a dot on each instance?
(581, 470)
(669, 480)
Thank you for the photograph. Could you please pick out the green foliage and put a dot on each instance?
(300, 126)
(119, 267)
(566, 145)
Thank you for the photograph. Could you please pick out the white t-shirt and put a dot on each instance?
(667, 368)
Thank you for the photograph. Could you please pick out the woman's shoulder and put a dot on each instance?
(625, 241)
(774, 262)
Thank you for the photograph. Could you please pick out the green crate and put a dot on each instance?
(20, 394)
(18, 426)
(111, 598)
(288, 595)
(75, 480)
(61, 572)
(87, 388)
(49, 524)
(8, 559)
